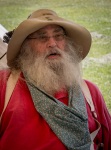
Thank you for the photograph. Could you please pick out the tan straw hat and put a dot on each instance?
(40, 19)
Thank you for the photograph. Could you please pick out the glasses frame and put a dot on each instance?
(45, 38)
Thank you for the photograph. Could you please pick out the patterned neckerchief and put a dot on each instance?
(69, 123)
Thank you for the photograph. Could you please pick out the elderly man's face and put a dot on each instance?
(49, 59)
(48, 39)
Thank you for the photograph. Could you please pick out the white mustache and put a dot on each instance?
(53, 52)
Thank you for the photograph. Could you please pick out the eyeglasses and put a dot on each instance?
(44, 38)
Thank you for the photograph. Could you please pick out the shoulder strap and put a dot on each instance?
(9, 89)
(88, 97)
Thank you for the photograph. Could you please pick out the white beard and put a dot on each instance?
(51, 75)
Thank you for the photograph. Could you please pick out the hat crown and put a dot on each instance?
(42, 12)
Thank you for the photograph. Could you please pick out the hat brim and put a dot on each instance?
(77, 33)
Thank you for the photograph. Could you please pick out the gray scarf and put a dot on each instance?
(69, 123)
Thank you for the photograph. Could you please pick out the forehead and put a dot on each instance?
(48, 28)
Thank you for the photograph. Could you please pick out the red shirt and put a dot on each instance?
(23, 128)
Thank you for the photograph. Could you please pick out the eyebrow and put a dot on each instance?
(59, 29)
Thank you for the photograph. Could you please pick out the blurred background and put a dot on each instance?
(95, 15)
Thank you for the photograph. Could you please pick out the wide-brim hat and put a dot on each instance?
(40, 19)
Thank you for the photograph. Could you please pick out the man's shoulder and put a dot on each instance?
(95, 92)
(91, 85)
(4, 73)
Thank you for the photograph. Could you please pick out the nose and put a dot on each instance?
(51, 42)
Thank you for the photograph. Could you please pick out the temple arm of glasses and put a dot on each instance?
(2, 56)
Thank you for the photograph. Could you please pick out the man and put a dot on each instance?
(45, 104)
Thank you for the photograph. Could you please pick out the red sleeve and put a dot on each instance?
(3, 79)
(103, 115)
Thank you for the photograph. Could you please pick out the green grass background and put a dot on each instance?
(95, 15)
